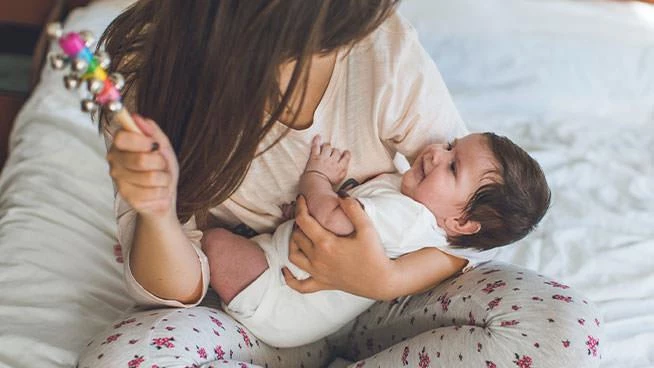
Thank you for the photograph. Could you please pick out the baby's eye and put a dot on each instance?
(453, 167)
(449, 146)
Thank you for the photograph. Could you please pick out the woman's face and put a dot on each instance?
(444, 176)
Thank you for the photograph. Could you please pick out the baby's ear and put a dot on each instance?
(459, 226)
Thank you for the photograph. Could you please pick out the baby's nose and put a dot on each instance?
(438, 153)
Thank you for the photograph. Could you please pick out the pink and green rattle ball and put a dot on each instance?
(92, 68)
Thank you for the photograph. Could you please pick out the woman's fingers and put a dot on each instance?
(137, 161)
(357, 215)
(164, 145)
(315, 145)
(146, 179)
(154, 131)
(133, 142)
(296, 255)
(309, 226)
(345, 158)
(309, 285)
(144, 167)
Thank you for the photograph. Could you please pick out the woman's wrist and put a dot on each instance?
(161, 215)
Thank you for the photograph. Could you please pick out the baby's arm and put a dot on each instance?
(326, 167)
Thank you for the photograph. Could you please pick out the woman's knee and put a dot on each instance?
(156, 337)
(535, 310)
(124, 342)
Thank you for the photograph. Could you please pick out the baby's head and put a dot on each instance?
(483, 189)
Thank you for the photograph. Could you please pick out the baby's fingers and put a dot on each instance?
(315, 145)
(345, 158)
(326, 150)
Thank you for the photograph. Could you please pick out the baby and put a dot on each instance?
(464, 198)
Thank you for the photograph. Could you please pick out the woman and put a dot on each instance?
(234, 91)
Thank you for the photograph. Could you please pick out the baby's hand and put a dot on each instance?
(330, 162)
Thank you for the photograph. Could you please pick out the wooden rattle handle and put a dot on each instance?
(126, 122)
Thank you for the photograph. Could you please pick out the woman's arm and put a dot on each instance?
(163, 260)
(160, 257)
(420, 271)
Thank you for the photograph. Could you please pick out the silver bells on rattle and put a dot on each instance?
(86, 67)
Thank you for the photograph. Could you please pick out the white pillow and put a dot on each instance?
(60, 283)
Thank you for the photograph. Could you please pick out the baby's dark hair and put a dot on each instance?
(511, 205)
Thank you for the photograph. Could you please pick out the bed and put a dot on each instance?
(571, 81)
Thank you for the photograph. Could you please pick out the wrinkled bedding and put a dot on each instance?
(573, 83)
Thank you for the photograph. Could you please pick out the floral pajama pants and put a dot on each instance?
(496, 315)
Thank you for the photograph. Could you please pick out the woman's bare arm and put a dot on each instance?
(145, 170)
(163, 261)
(419, 271)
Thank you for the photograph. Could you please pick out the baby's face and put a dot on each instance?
(444, 176)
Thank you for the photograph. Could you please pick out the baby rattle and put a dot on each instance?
(92, 69)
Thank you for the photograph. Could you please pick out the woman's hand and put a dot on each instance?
(356, 263)
(144, 168)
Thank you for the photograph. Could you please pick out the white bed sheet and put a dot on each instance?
(59, 281)
(571, 81)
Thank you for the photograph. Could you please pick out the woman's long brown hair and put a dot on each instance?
(206, 70)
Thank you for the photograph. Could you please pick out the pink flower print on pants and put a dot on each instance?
(424, 359)
(123, 323)
(445, 302)
(557, 285)
(136, 362)
(567, 299)
(246, 338)
(592, 344)
(494, 303)
(491, 287)
(163, 342)
(405, 355)
(217, 322)
(112, 338)
(220, 353)
(524, 362)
